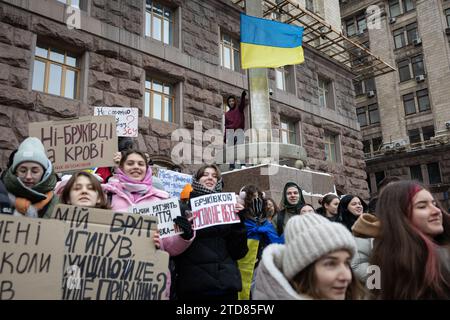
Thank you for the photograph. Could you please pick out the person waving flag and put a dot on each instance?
(269, 44)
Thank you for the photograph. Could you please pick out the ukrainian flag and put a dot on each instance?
(269, 44)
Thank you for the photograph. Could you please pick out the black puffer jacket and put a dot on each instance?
(208, 266)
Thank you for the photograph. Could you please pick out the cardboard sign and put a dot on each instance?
(126, 119)
(214, 209)
(31, 258)
(77, 144)
(111, 256)
(173, 181)
(165, 211)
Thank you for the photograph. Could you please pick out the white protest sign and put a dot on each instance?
(173, 181)
(214, 209)
(165, 211)
(126, 119)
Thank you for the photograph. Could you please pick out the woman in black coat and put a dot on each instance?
(208, 270)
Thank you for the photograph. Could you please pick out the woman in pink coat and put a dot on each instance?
(132, 185)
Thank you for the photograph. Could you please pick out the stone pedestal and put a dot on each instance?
(314, 184)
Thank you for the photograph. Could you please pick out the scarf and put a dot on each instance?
(132, 187)
(26, 208)
(292, 208)
(201, 190)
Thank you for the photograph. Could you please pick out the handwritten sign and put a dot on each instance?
(111, 256)
(77, 144)
(31, 258)
(214, 209)
(165, 211)
(173, 181)
(126, 119)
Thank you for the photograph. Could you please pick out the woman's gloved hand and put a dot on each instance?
(186, 226)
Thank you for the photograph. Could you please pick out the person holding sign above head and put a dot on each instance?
(314, 263)
(132, 184)
(30, 181)
(208, 270)
(84, 190)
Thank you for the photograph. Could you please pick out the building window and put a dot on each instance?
(350, 27)
(411, 31)
(423, 100)
(416, 173)
(362, 116)
(159, 100)
(374, 115)
(372, 146)
(409, 104)
(80, 4)
(310, 5)
(427, 133)
(394, 8)
(376, 143)
(287, 132)
(447, 16)
(331, 147)
(408, 5)
(229, 52)
(434, 173)
(280, 78)
(366, 147)
(417, 65)
(325, 93)
(159, 22)
(56, 71)
(379, 176)
(403, 70)
(414, 136)
(399, 38)
(362, 24)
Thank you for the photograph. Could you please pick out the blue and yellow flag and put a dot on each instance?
(269, 44)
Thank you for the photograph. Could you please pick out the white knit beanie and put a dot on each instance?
(31, 149)
(309, 237)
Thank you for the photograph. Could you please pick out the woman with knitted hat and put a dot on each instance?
(30, 181)
(314, 263)
(208, 269)
(291, 201)
(412, 249)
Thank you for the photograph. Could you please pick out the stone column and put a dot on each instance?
(259, 88)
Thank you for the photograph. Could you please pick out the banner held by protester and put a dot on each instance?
(214, 209)
(77, 144)
(126, 119)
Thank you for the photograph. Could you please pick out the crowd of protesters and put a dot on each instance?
(290, 251)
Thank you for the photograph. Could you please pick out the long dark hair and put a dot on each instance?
(347, 218)
(408, 258)
(127, 153)
(65, 195)
(326, 200)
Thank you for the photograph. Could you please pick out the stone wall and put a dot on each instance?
(114, 75)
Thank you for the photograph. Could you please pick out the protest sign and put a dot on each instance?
(77, 144)
(111, 256)
(214, 209)
(126, 119)
(31, 258)
(165, 211)
(173, 181)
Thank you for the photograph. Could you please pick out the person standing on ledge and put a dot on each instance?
(234, 119)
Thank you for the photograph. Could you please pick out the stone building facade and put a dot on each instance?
(122, 61)
(405, 115)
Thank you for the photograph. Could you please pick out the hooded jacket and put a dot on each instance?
(35, 202)
(280, 219)
(5, 206)
(123, 200)
(209, 266)
(270, 283)
(234, 118)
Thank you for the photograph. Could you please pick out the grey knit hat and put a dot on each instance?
(309, 237)
(31, 149)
